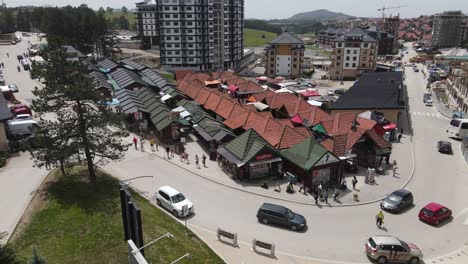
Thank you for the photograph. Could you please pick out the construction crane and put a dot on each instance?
(389, 7)
(3, 4)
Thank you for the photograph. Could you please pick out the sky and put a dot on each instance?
(271, 9)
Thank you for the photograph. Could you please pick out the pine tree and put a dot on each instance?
(36, 258)
(75, 122)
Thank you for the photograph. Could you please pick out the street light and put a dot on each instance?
(168, 235)
(188, 256)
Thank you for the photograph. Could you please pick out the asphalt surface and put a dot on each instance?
(334, 233)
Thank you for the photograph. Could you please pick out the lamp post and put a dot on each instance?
(188, 256)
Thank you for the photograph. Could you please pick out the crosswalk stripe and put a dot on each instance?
(433, 115)
(438, 115)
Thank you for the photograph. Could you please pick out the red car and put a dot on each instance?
(434, 213)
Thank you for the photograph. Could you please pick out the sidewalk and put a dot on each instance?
(367, 193)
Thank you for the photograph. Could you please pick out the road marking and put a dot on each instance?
(433, 114)
(438, 115)
(418, 113)
(462, 212)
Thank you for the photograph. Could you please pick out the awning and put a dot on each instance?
(380, 152)
(233, 88)
(214, 82)
(261, 78)
(314, 103)
(165, 98)
(390, 126)
(260, 162)
(259, 106)
(113, 102)
(231, 158)
(297, 120)
(310, 93)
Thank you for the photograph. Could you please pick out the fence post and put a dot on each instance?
(218, 236)
(254, 243)
(272, 253)
(234, 240)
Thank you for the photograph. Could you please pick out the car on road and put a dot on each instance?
(434, 213)
(444, 147)
(19, 57)
(280, 215)
(174, 201)
(386, 249)
(331, 92)
(397, 201)
(13, 88)
(426, 97)
(2, 81)
(20, 109)
(416, 69)
(340, 91)
(428, 102)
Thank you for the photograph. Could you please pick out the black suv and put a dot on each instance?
(397, 201)
(280, 215)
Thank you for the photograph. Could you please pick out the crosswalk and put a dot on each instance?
(427, 114)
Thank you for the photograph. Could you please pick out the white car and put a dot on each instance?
(331, 92)
(428, 102)
(174, 201)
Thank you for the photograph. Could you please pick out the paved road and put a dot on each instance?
(334, 233)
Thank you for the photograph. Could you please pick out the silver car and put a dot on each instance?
(391, 249)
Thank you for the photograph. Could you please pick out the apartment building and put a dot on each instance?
(193, 34)
(354, 53)
(391, 25)
(464, 30)
(285, 56)
(458, 87)
(446, 29)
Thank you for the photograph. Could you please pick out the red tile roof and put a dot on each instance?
(179, 75)
(289, 137)
(202, 96)
(378, 140)
(237, 121)
(192, 90)
(212, 102)
(224, 108)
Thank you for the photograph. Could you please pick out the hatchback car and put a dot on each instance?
(340, 91)
(444, 147)
(391, 249)
(434, 213)
(280, 215)
(330, 92)
(428, 102)
(174, 201)
(13, 88)
(397, 201)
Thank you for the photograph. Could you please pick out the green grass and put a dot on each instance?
(257, 38)
(321, 52)
(81, 223)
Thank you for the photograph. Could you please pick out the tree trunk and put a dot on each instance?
(84, 138)
(62, 168)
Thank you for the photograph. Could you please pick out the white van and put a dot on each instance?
(458, 128)
(17, 127)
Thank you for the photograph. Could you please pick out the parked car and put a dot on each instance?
(280, 215)
(13, 88)
(19, 57)
(2, 81)
(18, 127)
(391, 249)
(340, 91)
(23, 117)
(416, 70)
(331, 93)
(444, 147)
(426, 97)
(174, 201)
(21, 110)
(397, 201)
(434, 213)
(428, 102)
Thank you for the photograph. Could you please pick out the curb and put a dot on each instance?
(438, 106)
(289, 200)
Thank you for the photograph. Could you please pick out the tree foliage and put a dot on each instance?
(7, 254)
(75, 122)
(124, 10)
(262, 25)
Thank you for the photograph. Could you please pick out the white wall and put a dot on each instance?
(283, 65)
(350, 60)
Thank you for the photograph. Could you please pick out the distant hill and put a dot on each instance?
(321, 14)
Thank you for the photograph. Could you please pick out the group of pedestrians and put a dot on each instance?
(170, 153)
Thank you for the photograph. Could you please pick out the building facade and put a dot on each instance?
(464, 30)
(325, 37)
(285, 56)
(353, 54)
(385, 40)
(446, 29)
(458, 87)
(193, 34)
(392, 25)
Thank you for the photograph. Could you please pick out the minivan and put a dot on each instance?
(280, 215)
(16, 127)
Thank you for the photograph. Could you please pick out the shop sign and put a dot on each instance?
(264, 156)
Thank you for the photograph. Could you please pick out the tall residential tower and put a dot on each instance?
(446, 29)
(193, 34)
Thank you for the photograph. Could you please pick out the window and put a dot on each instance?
(338, 51)
(354, 65)
(363, 65)
(347, 64)
(167, 16)
(354, 51)
(347, 57)
(366, 45)
(338, 57)
(464, 126)
(348, 51)
(338, 64)
(164, 195)
(354, 58)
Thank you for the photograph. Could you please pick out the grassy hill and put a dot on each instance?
(257, 38)
(116, 14)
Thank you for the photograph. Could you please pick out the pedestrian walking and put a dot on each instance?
(301, 185)
(181, 157)
(142, 143)
(152, 144)
(354, 182)
(172, 153)
(335, 195)
(316, 197)
(135, 142)
(319, 189)
(325, 196)
(394, 170)
(379, 219)
(399, 138)
(196, 161)
(204, 160)
(167, 152)
(401, 130)
(187, 158)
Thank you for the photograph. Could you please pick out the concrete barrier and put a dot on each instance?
(223, 233)
(257, 243)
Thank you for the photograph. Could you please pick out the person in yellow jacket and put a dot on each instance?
(379, 219)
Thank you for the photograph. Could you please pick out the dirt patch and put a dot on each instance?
(38, 202)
